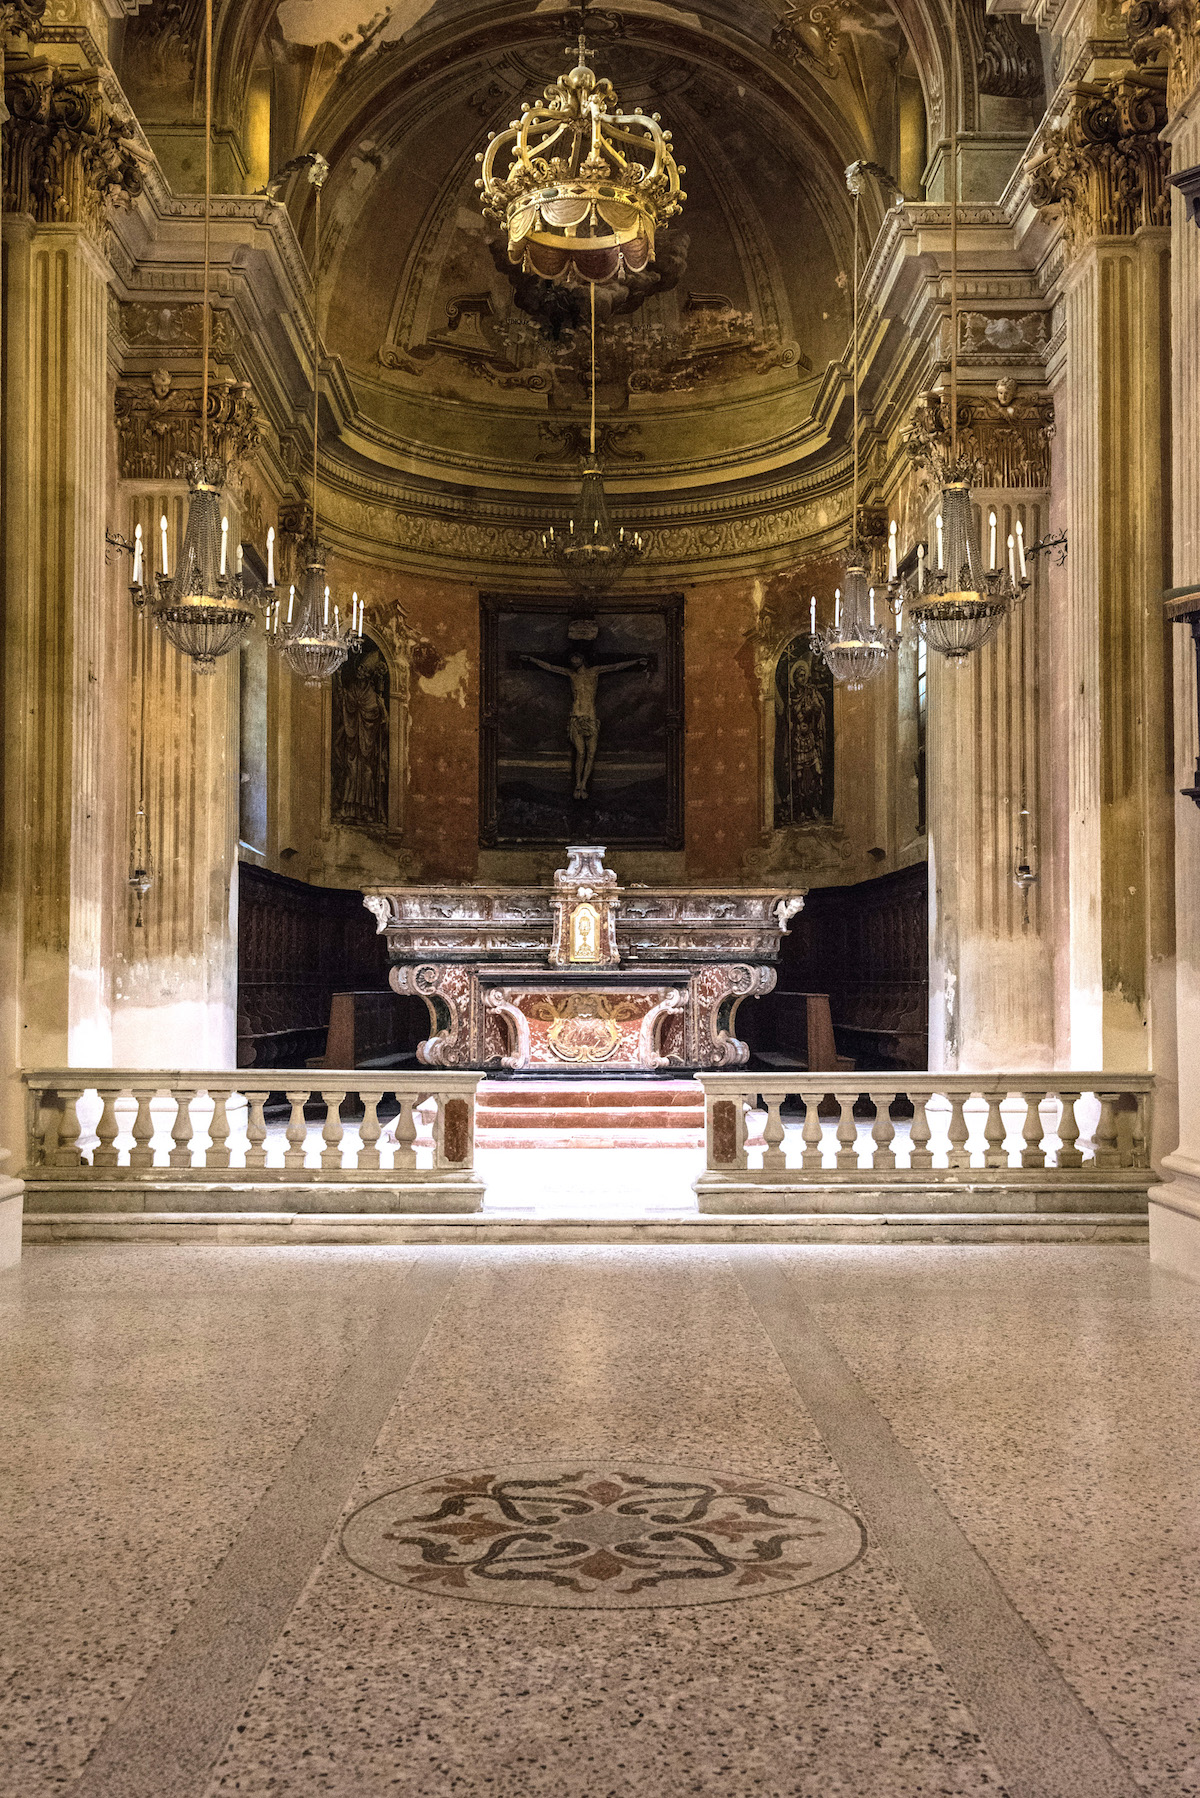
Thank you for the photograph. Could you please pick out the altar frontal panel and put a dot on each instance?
(581, 722)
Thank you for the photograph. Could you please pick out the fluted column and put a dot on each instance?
(991, 977)
(1175, 1208)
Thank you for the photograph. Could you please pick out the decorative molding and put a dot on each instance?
(1017, 338)
(158, 426)
(1008, 63)
(1172, 26)
(67, 154)
(1005, 440)
(1188, 183)
(166, 327)
(572, 441)
(1103, 168)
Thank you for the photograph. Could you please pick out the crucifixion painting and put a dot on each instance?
(583, 726)
(581, 722)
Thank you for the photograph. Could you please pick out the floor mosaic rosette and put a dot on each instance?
(604, 1535)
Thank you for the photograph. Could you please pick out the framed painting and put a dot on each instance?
(581, 722)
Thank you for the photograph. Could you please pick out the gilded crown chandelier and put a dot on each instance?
(585, 190)
(961, 599)
(854, 646)
(205, 607)
(310, 630)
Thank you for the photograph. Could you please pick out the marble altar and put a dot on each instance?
(585, 974)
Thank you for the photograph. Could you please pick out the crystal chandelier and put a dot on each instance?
(960, 601)
(205, 608)
(854, 646)
(589, 211)
(311, 634)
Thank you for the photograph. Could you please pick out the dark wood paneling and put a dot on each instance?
(867, 946)
(297, 946)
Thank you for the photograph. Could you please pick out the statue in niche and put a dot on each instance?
(803, 735)
(583, 726)
(360, 744)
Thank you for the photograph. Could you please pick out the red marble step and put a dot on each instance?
(576, 1138)
(571, 1095)
(614, 1117)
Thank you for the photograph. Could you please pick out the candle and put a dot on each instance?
(224, 544)
(162, 525)
(837, 607)
(892, 565)
(337, 623)
(354, 614)
(1012, 561)
(871, 603)
(938, 526)
(1021, 547)
(291, 602)
(239, 560)
(920, 568)
(327, 605)
(271, 557)
(991, 539)
(812, 613)
(137, 556)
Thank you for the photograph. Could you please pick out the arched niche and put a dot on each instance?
(367, 738)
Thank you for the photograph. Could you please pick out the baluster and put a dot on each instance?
(1107, 1148)
(1068, 1133)
(59, 1124)
(1138, 1145)
(1033, 1154)
(181, 1128)
(369, 1131)
(108, 1129)
(812, 1130)
(405, 1131)
(994, 1130)
(333, 1131)
(883, 1133)
(921, 1155)
(297, 1130)
(224, 1106)
(141, 1128)
(773, 1133)
(847, 1132)
(256, 1130)
(958, 1132)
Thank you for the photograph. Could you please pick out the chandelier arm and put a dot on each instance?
(206, 327)
(954, 235)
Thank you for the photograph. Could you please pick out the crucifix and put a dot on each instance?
(583, 727)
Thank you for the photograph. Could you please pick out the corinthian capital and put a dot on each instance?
(66, 153)
(1101, 167)
(1173, 26)
(20, 18)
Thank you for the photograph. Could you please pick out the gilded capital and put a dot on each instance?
(66, 154)
(158, 426)
(1170, 26)
(21, 18)
(1003, 438)
(1102, 167)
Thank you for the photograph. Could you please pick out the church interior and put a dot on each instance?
(599, 831)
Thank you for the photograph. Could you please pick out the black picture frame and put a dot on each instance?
(525, 778)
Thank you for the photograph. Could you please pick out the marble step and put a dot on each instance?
(556, 1135)
(608, 1117)
(576, 1095)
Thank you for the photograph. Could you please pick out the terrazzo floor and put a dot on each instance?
(973, 1470)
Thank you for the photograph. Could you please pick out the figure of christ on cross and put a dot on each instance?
(584, 726)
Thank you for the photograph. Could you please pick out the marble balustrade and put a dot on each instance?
(1075, 1138)
(94, 1122)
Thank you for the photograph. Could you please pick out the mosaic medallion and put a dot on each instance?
(603, 1535)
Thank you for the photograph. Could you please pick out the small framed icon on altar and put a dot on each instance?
(585, 932)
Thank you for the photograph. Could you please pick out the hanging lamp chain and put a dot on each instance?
(206, 327)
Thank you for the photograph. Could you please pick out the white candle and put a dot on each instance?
(327, 605)
(938, 526)
(239, 560)
(337, 623)
(991, 539)
(291, 602)
(354, 614)
(892, 551)
(1012, 561)
(137, 556)
(1021, 547)
(920, 568)
(837, 607)
(812, 613)
(271, 557)
(224, 544)
(162, 525)
(871, 603)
